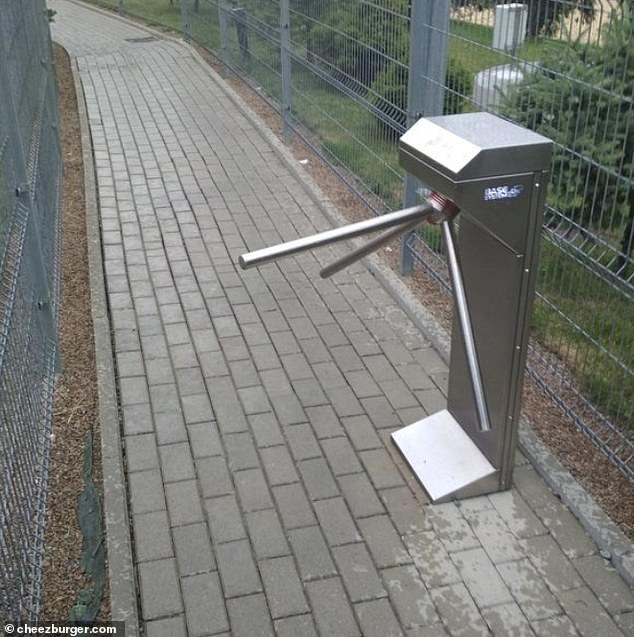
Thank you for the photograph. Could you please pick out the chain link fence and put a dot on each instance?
(30, 174)
(350, 77)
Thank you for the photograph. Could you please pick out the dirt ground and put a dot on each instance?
(75, 410)
(76, 394)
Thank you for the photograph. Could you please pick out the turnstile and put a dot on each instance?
(494, 173)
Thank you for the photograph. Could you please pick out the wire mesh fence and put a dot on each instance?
(30, 173)
(350, 77)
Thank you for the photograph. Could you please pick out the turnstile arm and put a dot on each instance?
(371, 246)
(398, 218)
(464, 319)
(437, 210)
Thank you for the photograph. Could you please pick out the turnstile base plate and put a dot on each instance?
(443, 457)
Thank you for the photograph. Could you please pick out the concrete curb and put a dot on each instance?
(609, 538)
(122, 583)
(611, 541)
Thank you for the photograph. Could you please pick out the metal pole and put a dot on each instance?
(398, 218)
(428, 54)
(415, 90)
(185, 19)
(370, 246)
(224, 36)
(285, 54)
(120, 8)
(436, 68)
(466, 327)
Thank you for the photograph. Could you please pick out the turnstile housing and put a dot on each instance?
(496, 172)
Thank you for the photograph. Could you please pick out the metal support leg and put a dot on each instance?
(441, 454)
(464, 318)
(370, 246)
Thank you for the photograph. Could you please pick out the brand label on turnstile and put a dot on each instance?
(495, 193)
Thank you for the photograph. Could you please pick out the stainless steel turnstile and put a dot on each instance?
(494, 174)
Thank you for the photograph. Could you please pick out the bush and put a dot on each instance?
(389, 94)
(581, 98)
(459, 88)
(355, 39)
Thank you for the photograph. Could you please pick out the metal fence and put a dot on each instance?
(350, 77)
(30, 173)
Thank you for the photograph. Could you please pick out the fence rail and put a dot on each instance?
(350, 77)
(30, 173)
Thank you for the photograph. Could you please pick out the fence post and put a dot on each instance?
(285, 54)
(185, 28)
(120, 9)
(429, 41)
(419, 18)
(224, 36)
(436, 68)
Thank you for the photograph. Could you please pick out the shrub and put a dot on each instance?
(459, 88)
(355, 39)
(581, 98)
(389, 94)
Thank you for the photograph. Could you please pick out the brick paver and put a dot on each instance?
(265, 495)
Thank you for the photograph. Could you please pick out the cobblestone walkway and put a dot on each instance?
(265, 496)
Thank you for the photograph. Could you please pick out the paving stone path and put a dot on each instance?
(265, 496)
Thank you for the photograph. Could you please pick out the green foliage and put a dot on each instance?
(355, 39)
(459, 87)
(582, 99)
(389, 96)
(389, 93)
(598, 309)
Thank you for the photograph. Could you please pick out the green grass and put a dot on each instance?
(599, 310)
(350, 134)
(470, 44)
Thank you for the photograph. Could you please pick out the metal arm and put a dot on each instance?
(465, 324)
(370, 246)
(437, 210)
(265, 255)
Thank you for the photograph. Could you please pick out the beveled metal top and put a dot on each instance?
(472, 146)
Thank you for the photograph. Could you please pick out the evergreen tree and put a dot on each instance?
(582, 99)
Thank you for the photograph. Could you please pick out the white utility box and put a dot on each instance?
(510, 26)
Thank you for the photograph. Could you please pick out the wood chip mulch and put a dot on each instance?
(75, 409)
